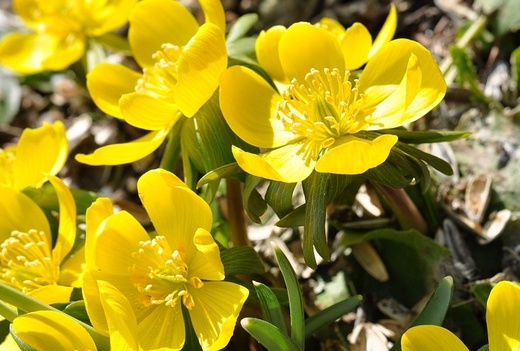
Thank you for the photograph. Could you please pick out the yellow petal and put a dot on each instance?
(71, 270)
(39, 152)
(332, 26)
(96, 214)
(502, 317)
(393, 110)
(118, 154)
(282, 164)
(19, 212)
(162, 329)
(266, 47)
(50, 294)
(66, 52)
(145, 112)
(29, 53)
(107, 17)
(67, 226)
(155, 22)
(385, 72)
(304, 46)
(117, 238)
(386, 33)
(201, 63)
(214, 315)
(214, 13)
(430, 338)
(356, 44)
(205, 263)
(107, 82)
(122, 323)
(249, 105)
(50, 330)
(93, 305)
(351, 155)
(175, 211)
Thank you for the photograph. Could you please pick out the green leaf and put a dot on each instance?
(294, 294)
(241, 260)
(330, 314)
(279, 196)
(422, 244)
(45, 196)
(481, 292)
(484, 348)
(314, 234)
(254, 205)
(467, 73)
(389, 174)
(515, 67)
(206, 139)
(423, 137)
(271, 309)
(410, 258)
(10, 97)
(272, 338)
(115, 42)
(226, 171)
(241, 27)
(437, 163)
(438, 304)
(294, 218)
(435, 309)
(191, 342)
(77, 310)
(243, 49)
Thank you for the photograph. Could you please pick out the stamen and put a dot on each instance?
(160, 80)
(26, 261)
(322, 108)
(160, 274)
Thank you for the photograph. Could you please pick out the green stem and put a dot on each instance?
(7, 312)
(173, 147)
(30, 304)
(237, 218)
(473, 31)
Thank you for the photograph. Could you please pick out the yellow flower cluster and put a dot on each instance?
(319, 98)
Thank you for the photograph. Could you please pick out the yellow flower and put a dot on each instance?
(60, 29)
(503, 326)
(28, 262)
(355, 42)
(39, 152)
(324, 119)
(177, 268)
(51, 330)
(182, 63)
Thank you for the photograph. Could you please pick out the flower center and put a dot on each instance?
(160, 274)
(26, 261)
(160, 80)
(320, 109)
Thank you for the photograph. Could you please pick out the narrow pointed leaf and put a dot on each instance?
(271, 309)
(272, 338)
(241, 26)
(241, 260)
(279, 196)
(314, 234)
(330, 314)
(436, 308)
(254, 205)
(294, 294)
